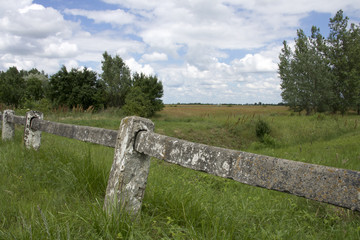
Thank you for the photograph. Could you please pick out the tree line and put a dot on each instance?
(321, 74)
(136, 94)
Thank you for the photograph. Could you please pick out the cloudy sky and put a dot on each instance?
(208, 51)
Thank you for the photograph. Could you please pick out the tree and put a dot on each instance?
(354, 63)
(60, 87)
(288, 83)
(321, 74)
(36, 85)
(344, 50)
(144, 97)
(152, 89)
(117, 78)
(304, 73)
(77, 87)
(88, 90)
(12, 87)
(136, 103)
(139, 94)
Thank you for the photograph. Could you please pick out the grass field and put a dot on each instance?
(58, 191)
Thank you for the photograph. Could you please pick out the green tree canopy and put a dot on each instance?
(137, 103)
(344, 51)
(117, 77)
(322, 74)
(36, 85)
(12, 87)
(138, 94)
(152, 89)
(77, 87)
(305, 74)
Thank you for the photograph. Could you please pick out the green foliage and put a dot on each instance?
(322, 75)
(12, 87)
(152, 89)
(137, 103)
(344, 50)
(117, 77)
(76, 88)
(144, 96)
(43, 105)
(137, 95)
(262, 129)
(80, 89)
(36, 86)
(265, 142)
(18, 88)
(305, 74)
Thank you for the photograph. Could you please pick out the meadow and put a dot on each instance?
(58, 191)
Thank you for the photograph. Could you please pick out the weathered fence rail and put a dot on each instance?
(340, 187)
(135, 143)
(95, 135)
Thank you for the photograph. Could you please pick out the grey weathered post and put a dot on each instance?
(8, 127)
(32, 138)
(129, 171)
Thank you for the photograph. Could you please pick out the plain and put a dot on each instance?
(58, 191)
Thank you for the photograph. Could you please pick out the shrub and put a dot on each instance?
(137, 104)
(262, 128)
(268, 140)
(43, 105)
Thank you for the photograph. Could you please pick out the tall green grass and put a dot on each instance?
(58, 191)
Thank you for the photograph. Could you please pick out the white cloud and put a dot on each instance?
(203, 56)
(138, 4)
(27, 62)
(263, 85)
(64, 49)
(71, 64)
(189, 45)
(249, 79)
(116, 17)
(6, 5)
(34, 36)
(11, 61)
(35, 21)
(226, 24)
(294, 7)
(154, 57)
(137, 67)
(92, 46)
(218, 25)
(254, 63)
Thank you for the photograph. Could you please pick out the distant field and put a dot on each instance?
(322, 139)
(58, 192)
(220, 110)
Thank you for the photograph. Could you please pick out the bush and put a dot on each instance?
(268, 140)
(137, 104)
(262, 128)
(43, 105)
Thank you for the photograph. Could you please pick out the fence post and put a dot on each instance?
(129, 171)
(32, 138)
(8, 128)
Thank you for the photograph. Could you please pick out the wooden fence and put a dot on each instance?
(135, 142)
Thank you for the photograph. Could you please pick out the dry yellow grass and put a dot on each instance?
(183, 111)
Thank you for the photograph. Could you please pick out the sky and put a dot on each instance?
(203, 51)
